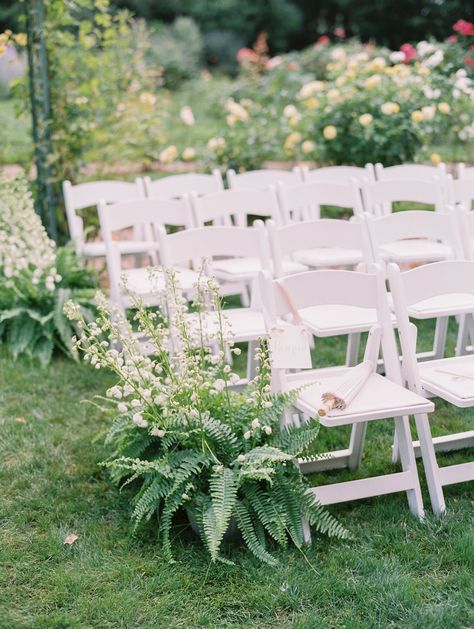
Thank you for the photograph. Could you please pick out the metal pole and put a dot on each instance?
(41, 113)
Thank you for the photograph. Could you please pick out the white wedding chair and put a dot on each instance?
(380, 398)
(320, 244)
(324, 242)
(262, 178)
(416, 237)
(448, 378)
(304, 200)
(175, 186)
(192, 247)
(379, 196)
(84, 195)
(338, 174)
(154, 213)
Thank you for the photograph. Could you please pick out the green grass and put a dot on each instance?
(397, 572)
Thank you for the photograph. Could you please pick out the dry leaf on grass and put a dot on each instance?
(71, 538)
(20, 420)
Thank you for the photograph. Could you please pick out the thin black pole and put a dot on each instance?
(41, 113)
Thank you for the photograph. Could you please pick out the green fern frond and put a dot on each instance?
(295, 440)
(246, 527)
(223, 489)
(268, 513)
(322, 520)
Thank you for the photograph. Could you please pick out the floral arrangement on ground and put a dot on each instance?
(184, 439)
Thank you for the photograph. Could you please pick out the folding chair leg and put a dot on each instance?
(395, 452)
(352, 353)
(408, 461)
(251, 363)
(356, 444)
(430, 464)
(440, 337)
(245, 297)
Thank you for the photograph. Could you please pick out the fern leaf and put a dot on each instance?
(216, 518)
(246, 527)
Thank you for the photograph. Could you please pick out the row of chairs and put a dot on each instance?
(451, 379)
(342, 186)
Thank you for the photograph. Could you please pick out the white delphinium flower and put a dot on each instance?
(157, 432)
(139, 420)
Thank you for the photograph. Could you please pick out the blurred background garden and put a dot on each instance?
(178, 85)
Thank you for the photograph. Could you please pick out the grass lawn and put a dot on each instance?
(397, 572)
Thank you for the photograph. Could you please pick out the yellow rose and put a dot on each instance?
(417, 116)
(366, 119)
(372, 81)
(308, 146)
(378, 63)
(435, 158)
(147, 99)
(312, 103)
(169, 154)
(390, 108)
(330, 132)
(293, 138)
(293, 121)
(20, 39)
(444, 108)
(189, 154)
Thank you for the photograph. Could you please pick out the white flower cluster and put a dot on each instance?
(187, 365)
(27, 255)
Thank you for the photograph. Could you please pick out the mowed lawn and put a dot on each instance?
(397, 572)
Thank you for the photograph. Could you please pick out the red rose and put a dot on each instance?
(409, 51)
(469, 61)
(452, 39)
(324, 39)
(464, 28)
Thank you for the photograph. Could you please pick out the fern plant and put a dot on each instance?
(184, 439)
(36, 280)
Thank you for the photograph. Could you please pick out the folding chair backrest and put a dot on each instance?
(207, 242)
(411, 171)
(332, 287)
(117, 216)
(339, 174)
(413, 224)
(461, 191)
(326, 232)
(175, 186)
(380, 195)
(307, 198)
(235, 205)
(83, 195)
(465, 172)
(261, 179)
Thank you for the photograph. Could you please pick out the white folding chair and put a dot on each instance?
(261, 179)
(416, 237)
(465, 219)
(413, 236)
(379, 196)
(175, 186)
(380, 398)
(305, 199)
(465, 172)
(448, 378)
(235, 207)
(154, 213)
(209, 244)
(324, 242)
(84, 195)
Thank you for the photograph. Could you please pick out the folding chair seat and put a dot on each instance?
(175, 186)
(379, 196)
(465, 172)
(262, 178)
(84, 195)
(154, 213)
(380, 398)
(451, 379)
